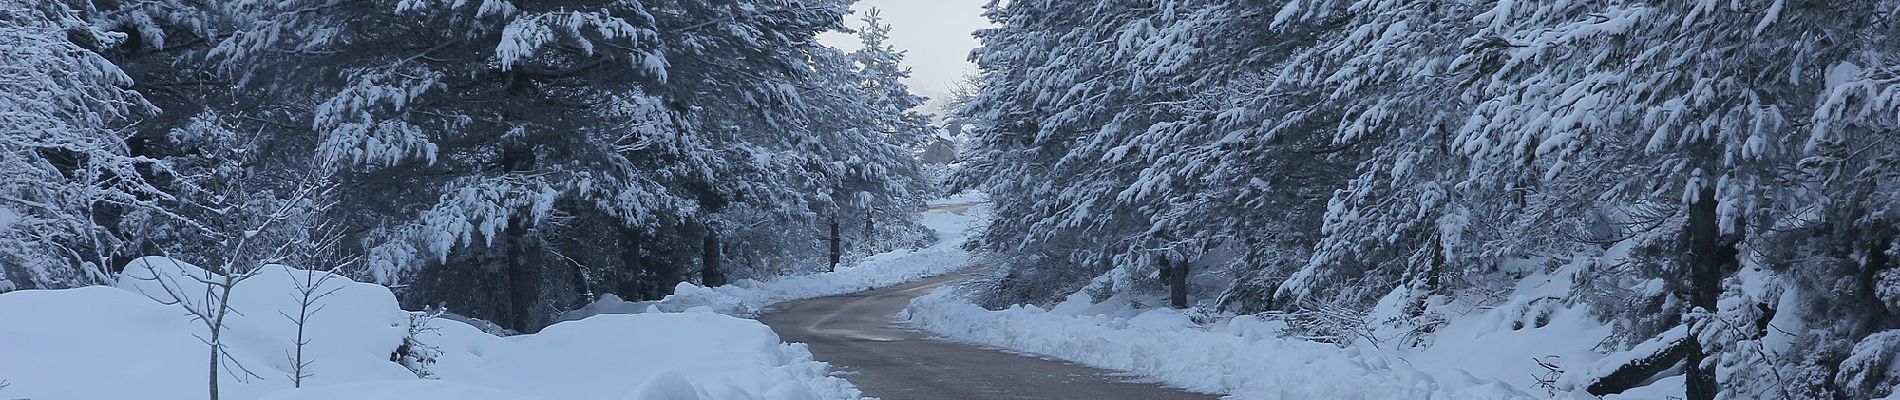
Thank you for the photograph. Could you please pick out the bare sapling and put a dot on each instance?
(245, 256)
(309, 291)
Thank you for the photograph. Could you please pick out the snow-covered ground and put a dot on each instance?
(137, 340)
(1483, 351)
(1244, 358)
(950, 217)
(126, 342)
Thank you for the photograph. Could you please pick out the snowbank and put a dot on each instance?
(1492, 350)
(659, 356)
(1165, 345)
(950, 217)
(405, 389)
(138, 341)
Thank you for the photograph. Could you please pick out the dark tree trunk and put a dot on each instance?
(583, 288)
(1640, 369)
(1174, 274)
(710, 275)
(628, 283)
(870, 230)
(524, 275)
(837, 250)
(1701, 383)
(668, 275)
(1871, 249)
(1428, 278)
(1711, 256)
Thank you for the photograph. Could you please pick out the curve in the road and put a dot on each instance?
(856, 334)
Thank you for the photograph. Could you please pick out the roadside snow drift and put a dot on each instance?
(1525, 343)
(1165, 345)
(138, 341)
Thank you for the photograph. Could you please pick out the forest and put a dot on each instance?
(1697, 169)
(1274, 199)
(509, 159)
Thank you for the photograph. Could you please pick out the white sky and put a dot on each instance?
(935, 34)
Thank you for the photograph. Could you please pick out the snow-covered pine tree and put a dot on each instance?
(1690, 106)
(798, 136)
(1112, 158)
(1840, 253)
(881, 65)
(1396, 229)
(484, 127)
(484, 148)
(1479, 133)
(1047, 87)
(894, 190)
(70, 175)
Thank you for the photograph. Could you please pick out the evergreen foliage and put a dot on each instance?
(1324, 158)
(514, 159)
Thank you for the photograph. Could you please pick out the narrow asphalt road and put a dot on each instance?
(856, 334)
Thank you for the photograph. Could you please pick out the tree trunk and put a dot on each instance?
(667, 275)
(710, 275)
(870, 231)
(1174, 274)
(1871, 250)
(1710, 256)
(1425, 281)
(583, 287)
(627, 283)
(217, 351)
(836, 249)
(1670, 351)
(524, 275)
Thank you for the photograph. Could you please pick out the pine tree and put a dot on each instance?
(881, 66)
(483, 148)
(70, 174)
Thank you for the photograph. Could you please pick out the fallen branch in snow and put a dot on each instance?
(1616, 374)
(1548, 380)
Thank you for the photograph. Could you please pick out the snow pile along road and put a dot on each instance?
(1524, 343)
(950, 217)
(1165, 345)
(138, 341)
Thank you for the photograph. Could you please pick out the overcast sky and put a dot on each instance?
(934, 33)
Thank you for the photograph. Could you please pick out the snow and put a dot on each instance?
(140, 339)
(354, 331)
(98, 343)
(951, 217)
(118, 343)
(403, 389)
(1483, 351)
(1163, 345)
(712, 355)
(1506, 340)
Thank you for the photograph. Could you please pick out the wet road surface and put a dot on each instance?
(856, 334)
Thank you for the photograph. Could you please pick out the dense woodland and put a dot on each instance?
(1730, 161)
(507, 159)
(1346, 167)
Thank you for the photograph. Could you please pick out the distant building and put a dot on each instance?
(939, 151)
(942, 147)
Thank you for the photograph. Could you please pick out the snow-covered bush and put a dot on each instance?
(1870, 371)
